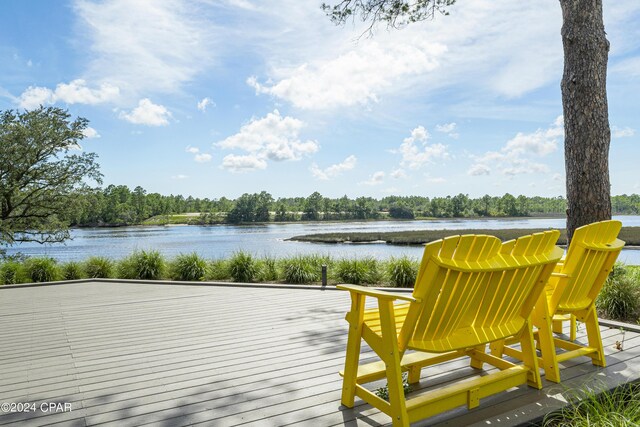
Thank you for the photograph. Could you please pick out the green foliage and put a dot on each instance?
(71, 270)
(358, 271)
(267, 269)
(142, 265)
(12, 273)
(301, 269)
(218, 269)
(402, 272)
(39, 178)
(591, 408)
(242, 267)
(41, 270)
(188, 267)
(383, 392)
(98, 267)
(619, 298)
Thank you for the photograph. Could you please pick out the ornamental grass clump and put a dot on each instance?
(217, 269)
(619, 298)
(71, 270)
(41, 270)
(12, 273)
(98, 267)
(402, 272)
(300, 270)
(267, 268)
(142, 265)
(590, 408)
(242, 267)
(358, 271)
(188, 267)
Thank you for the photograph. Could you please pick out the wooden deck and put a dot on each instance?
(131, 354)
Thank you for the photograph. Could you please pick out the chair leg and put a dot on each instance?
(594, 337)
(352, 358)
(476, 363)
(542, 320)
(529, 356)
(497, 348)
(574, 328)
(391, 358)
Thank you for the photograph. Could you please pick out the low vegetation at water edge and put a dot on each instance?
(619, 298)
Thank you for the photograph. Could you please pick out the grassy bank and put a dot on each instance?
(631, 235)
(619, 298)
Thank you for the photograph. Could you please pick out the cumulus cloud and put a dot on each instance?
(518, 155)
(90, 132)
(192, 150)
(398, 173)
(75, 92)
(414, 156)
(202, 157)
(449, 129)
(376, 178)
(357, 77)
(272, 137)
(148, 113)
(246, 163)
(204, 103)
(479, 169)
(333, 170)
(179, 177)
(625, 132)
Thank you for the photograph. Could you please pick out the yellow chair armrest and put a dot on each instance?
(560, 275)
(377, 293)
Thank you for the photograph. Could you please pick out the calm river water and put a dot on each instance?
(220, 241)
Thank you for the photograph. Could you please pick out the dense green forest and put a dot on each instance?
(119, 205)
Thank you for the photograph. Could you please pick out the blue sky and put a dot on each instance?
(218, 98)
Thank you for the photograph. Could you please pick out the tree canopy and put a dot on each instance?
(41, 173)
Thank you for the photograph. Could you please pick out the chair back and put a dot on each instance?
(474, 290)
(590, 258)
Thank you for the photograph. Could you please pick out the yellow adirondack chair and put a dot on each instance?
(570, 294)
(469, 292)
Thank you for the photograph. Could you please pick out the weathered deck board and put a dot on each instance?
(156, 354)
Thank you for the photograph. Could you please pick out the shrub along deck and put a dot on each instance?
(165, 354)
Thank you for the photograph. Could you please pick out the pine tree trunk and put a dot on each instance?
(586, 116)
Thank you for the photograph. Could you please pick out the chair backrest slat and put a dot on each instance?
(591, 255)
(473, 289)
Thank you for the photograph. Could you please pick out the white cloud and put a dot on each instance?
(479, 169)
(449, 129)
(146, 46)
(247, 163)
(272, 137)
(557, 177)
(90, 132)
(376, 178)
(75, 92)
(413, 156)
(148, 113)
(625, 132)
(192, 150)
(202, 157)
(398, 173)
(333, 170)
(204, 103)
(179, 177)
(357, 77)
(518, 154)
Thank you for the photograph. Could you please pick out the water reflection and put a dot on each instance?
(221, 241)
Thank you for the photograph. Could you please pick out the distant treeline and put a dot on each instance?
(118, 205)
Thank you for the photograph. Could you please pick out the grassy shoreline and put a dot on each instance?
(631, 235)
